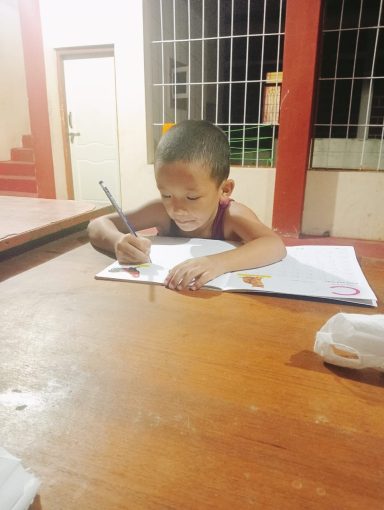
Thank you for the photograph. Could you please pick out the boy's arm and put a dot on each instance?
(109, 233)
(261, 247)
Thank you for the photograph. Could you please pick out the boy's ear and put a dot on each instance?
(227, 188)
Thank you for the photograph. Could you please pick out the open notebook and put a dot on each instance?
(325, 272)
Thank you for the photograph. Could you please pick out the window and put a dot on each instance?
(348, 132)
(217, 60)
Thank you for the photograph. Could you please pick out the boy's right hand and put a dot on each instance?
(130, 249)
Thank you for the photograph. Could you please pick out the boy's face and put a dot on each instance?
(189, 194)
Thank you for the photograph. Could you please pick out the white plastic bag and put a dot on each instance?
(352, 340)
(18, 486)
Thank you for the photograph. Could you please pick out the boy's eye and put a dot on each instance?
(193, 198)
(165, 196)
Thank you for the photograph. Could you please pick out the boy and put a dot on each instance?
(191, 172)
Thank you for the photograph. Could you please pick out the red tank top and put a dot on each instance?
(218, 222)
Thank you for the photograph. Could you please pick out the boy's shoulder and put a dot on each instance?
(236, 209)
(239, 218)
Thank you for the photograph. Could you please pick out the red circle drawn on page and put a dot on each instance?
(353, 293)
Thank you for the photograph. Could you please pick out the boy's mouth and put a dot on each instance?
(184, 223)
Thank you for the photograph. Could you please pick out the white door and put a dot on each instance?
(92, 126)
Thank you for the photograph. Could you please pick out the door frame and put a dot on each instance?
(62, 54)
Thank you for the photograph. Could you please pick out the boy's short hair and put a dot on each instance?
(196, 141)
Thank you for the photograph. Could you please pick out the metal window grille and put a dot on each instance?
(218, 60)
(348, 132)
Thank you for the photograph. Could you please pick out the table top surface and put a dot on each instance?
(131, 396)
(24, 219)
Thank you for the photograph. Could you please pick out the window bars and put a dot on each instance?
(348, 132)
(219, 60)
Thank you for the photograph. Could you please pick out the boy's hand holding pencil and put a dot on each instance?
(130, 249)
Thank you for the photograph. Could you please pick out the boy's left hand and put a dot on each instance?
(193, 274)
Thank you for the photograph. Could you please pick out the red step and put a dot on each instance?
(22, 154)
(18, 184)
(17, 168)
(18, 194)
(18, 178)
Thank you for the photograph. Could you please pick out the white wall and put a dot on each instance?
(14, 114)
(95, 22)
(344, 204)
(255, 188)
(346, 153)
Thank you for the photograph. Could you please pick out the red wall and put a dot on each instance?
(302, 29)
(37, 96)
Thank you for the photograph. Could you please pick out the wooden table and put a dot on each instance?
(24, 219)
(131, 396)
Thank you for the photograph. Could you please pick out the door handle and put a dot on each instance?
(72, 136)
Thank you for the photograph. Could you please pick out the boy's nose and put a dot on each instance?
(177, 204)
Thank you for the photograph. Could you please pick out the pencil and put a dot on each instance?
(117, 209)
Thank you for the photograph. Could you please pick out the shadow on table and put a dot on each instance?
(309, 360)
(36, 505)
